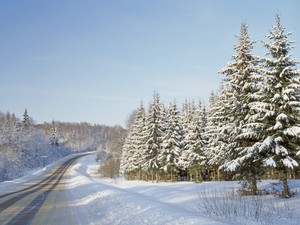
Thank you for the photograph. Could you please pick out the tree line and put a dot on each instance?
(250, 131)
(22, 146)
(25, 145)
(163, 142)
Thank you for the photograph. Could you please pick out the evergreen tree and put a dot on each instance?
(210, 132)
(127, 153)
(171, 143)
(153, 134)
(131, 161)
(185, 118)
(26, 125)
(241, 82)
(54, 134)
(202, 114)
(215, 134)
(26, 120)
(192, 157)
(280, 105)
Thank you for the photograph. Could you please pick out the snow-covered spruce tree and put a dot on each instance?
(168, 155)
(139, 141)
(131, 160)
(217, 137)
(202, 114)
(185, 118)
(192, 157)
(153, 134)
(27, 132)
(26, 123)
(242, 80)
(280, 105)
(54, 134)
(127, 153)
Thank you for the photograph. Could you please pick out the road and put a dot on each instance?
(36, 202)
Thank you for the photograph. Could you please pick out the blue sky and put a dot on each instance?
(95, 60)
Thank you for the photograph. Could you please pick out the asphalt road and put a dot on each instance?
(36, 202)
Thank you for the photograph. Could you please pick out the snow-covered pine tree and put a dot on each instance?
(153, 134)
(171, 144)
(27, 127)
(139, 141)
(216, 140)
(27, 131)
(184, 114)
(131, 160)
(192, 157)
(126, 163)
(280, 105)
(201, 111)
(241, 82)
(26, 120)
(185, 118)
(202, 114)
(54, 134)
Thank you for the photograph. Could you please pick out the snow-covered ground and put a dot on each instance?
(105, 201)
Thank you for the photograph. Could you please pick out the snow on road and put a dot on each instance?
(92, 200)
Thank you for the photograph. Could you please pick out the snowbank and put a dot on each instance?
(104, 201)
(116, 201)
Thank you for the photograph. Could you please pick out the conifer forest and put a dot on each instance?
(249, 132)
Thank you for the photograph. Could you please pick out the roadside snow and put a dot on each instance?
(116, 201)
(106, 201)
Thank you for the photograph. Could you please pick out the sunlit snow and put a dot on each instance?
(93, 200)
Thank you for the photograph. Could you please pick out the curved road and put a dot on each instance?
(38, 201)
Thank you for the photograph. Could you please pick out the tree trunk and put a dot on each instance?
(286, 192)
(213, 175)
(254, 187)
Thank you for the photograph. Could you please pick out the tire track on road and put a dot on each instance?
(30, 187)
(4, 205)
(26, 215)
(28, 212)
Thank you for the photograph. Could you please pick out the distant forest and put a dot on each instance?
(25, 145)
